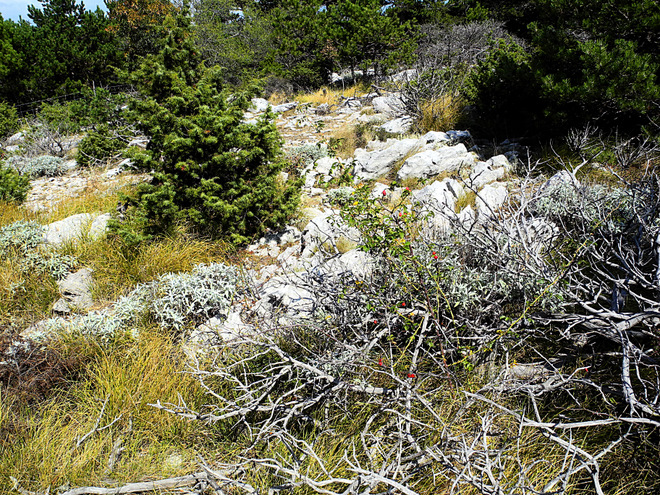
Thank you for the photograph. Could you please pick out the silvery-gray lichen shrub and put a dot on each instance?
(41, 166)
(174, 301)
(306, 154)
(24, 242)
(339, 196)
(590, 203)
(20, 235)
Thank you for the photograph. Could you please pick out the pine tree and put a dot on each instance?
(365, 36)
(210, 169)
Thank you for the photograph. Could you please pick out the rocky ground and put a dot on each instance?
(443, 167)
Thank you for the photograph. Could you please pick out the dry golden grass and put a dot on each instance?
(468, 198)
(347, 139)
(332, 96)
(11, 212)
(118, 268)
(278, 97)
(440, 114)
(43, 450)
(97, 197)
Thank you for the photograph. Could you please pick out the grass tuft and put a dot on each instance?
(440, 114)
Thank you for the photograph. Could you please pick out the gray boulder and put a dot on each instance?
(484, 174)
(328, 167)
(491, 198)
(285, 296)
(433, 139)
(354, 264)
(285, 107)
(400, 125)
(76, 291)
(350, 105)
(226, 329)
(390, 105)
(433, 162)
(560, 179)
(499, 161)
(459, 136)
(324, 232)
(439, 196)
(373, 164)
(75, 227)
(322, 109)
(260, 104)
(377, 118)
(16, 139)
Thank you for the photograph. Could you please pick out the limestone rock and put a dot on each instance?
(260, 104)
(285, 295)
(440, 196)
(76, 290)
(285, 107)
(433, 162)
(15, 139)
(377, 118)
(76, 226)
(459, 136)
(433, 139)
(374, 164)
(490, 198)
(499, 161)
(323, 232)
(563, 177)
(355, 264)
(350, 105)
(400, 125)
(483, 174)
(380, 191)
(390, 105)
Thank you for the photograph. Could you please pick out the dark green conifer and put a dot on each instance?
(210, 169)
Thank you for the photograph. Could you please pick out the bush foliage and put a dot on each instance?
(211, 170)
(13, 186)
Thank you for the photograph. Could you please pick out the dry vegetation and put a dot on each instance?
(302, 408)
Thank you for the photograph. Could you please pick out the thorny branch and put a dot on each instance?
(578, 265)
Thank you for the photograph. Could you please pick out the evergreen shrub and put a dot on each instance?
(504, 90)
(13, 186)
(210, 169)
(99, 145)
(8, 120)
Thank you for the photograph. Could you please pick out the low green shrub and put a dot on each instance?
(13, 186)
(99, 145)
(305, 155)
(8, 120)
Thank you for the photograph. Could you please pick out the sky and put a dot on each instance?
(12, 9)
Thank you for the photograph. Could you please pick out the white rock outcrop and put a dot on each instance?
(429, 163)
(373, 164)
(323, 233)
(75, 227)
(390, 105)
(491, 198)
